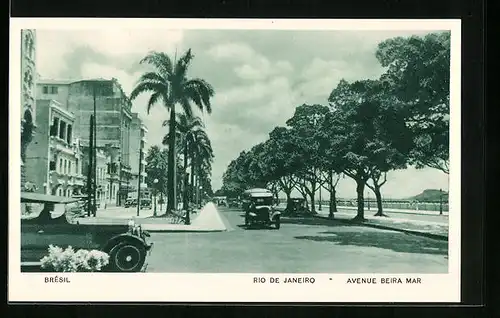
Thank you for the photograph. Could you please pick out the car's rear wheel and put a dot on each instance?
(277, 222)
(127, 257)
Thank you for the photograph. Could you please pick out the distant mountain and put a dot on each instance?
(430, 195)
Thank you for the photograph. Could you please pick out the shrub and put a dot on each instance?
(68, 260)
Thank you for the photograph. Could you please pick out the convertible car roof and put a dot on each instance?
(257, 192)
(31, 197)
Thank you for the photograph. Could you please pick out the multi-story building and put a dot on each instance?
(113, 120)
(138, 142)
(54, 159)
(28, 97)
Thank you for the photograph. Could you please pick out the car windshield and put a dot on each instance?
(263, 200)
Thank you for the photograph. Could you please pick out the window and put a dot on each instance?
(45, 90)
(60, 165)
(69, 134)
(65, 166)
(53, 89)
(69, 168)
(52, 166)
(76, 166)
(54, 127)
(62, 129)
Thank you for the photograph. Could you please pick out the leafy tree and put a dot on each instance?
(169, 84)
(374, 138)
(306, 125)
(418, 75)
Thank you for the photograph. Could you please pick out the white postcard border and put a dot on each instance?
(184, 287)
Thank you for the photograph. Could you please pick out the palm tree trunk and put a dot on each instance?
(192, 176)
(185, 189)
(172, 165)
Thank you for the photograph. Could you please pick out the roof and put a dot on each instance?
(258, 192)
(31, 197)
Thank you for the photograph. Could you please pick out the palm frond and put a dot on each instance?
(200, 92)
(155, 97)
(182, 65)
(161, 61)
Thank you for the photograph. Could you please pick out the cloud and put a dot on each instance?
(250, 64)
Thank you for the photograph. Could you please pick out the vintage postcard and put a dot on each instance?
(203, 160)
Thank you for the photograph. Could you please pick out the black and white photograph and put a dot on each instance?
(285, 158)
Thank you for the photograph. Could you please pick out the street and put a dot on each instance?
(300, 246)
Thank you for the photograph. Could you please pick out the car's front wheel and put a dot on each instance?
(127, 257)
(277, 222)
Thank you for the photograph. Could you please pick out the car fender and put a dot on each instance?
(125, 237)
(275, 214)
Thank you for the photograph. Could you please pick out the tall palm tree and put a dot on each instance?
(186, 128)
(201, 158)
(169, 84)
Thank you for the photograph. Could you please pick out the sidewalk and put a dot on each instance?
(205, 220)
(436, 230)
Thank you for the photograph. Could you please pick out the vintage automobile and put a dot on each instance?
(296, 207)
(146, 203)
(258, 205)
(126, 243)
(233, 203)
(130, 203)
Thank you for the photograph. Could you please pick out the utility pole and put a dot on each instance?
(139, 183)
(95, 147)
(89, 172)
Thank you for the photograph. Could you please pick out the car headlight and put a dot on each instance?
(131, 225)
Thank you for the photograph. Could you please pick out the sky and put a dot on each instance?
(259, 77)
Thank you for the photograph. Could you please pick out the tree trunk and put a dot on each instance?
(333, 202)
(288, 194)
(172, 165)
(185, 202)
(192, 177)
(360, 188)
(313, 208)
(378, 195)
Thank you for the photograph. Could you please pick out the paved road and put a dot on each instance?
(312, 246)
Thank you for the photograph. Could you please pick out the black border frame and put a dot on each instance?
(473, 110)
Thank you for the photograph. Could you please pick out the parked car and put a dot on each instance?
(297, 207)
(146, 204)
(130, 203)
(233, 203)
(259, 208)
(126, 243)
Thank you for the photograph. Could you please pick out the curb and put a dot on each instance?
(184, 231)
(384, 227)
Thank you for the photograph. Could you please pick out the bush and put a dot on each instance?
(68, 260)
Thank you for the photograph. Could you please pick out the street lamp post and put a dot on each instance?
(319, 207)
(155, 182)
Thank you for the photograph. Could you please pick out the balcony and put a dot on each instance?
(144, 174)
(144, 139)
(144, 162)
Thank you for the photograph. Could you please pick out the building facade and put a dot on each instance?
(113, 121)
(28, 99)
(138, 132)
(54, 159)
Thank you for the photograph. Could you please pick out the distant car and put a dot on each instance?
(130, 203)
(146, 204)
(125, 243)
(233, 203)
(222, 203)
(259, 208)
